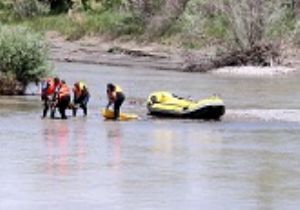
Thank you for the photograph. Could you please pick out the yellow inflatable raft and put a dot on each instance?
(165, 104)
(109, 115)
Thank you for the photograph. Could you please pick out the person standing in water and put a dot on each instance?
(81, 97)
(116, 97)
(63, 99)
(48, 94)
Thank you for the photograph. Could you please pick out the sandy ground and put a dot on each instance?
(94, 50)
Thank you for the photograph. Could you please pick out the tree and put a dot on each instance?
(145, 9)
(157, 15)
(297, 9)
(29, 8)
(23, 56)
(163, 19)
(247, 21)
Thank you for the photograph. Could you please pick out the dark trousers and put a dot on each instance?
(47, 103)
(63, 104)
(117, 104)
(82, 101)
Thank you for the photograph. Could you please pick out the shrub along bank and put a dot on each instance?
(23, 56)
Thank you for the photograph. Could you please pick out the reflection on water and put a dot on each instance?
(249, 160)
(56, 139)
(66, 149)
(114, 138)
(163, 141)
(80, 144)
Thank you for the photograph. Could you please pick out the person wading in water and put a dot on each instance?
(48, 93)
(63, 99)
(81, 97)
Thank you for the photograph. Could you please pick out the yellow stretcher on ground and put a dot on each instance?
(109, 115)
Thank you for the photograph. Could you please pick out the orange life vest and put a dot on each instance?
(64, 90)
(49, 87)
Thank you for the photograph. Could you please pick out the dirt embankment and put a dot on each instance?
(96, 50)
(100, 51)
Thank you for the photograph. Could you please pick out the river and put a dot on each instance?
(248, 160)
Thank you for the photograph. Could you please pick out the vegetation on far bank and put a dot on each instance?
(250, 30)
(189, 23)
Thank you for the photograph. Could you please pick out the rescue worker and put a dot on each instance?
(49, 88)
(63, 99)
(115, 96)
(81, 97)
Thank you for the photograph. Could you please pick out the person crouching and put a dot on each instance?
(81, 97)
(115, 96)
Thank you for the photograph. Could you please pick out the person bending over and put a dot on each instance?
(81, 97)
(116, 97)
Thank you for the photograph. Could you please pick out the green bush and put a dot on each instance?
(80, 24)
(30, 8)
(114, 23)
(111, 4)
(283, 25)
(60, 23)
(296, 37)
(23, 54)
(6, 12)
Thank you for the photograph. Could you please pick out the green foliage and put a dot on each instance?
(232, 23)
(284, 25)
(5, 4)
(296, 37)
(88, 23)
(30, 8)
(203, 23)
(216, 26)
(115, 23)
(2, 5)
(59, 23)
(23, 54)
(111, 4)
(6, 14)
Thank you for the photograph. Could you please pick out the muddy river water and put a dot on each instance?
(248, 160)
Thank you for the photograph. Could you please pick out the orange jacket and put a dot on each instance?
(49, 87)
(64, 90)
